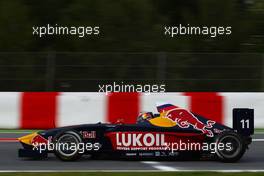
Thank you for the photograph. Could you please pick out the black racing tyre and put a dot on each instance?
(234, 147)
(68, 143)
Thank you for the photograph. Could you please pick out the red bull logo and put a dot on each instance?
(185, 119)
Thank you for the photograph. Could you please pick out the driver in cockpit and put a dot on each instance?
(146, 116)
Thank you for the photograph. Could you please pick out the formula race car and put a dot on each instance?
(173, 133)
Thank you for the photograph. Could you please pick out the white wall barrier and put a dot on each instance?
(80, 108)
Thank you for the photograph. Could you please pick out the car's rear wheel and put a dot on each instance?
(67, 146)
(234, 147)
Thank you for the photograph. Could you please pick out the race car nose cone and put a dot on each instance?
(28, 138)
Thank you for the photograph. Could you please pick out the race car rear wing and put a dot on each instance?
(243, 121)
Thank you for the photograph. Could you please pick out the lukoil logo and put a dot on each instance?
(139, 139)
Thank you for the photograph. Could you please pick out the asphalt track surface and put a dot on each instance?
(253, 160)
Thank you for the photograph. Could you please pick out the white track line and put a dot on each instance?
(102, 171)
(159, 166)
(165, 168)
(258, 140)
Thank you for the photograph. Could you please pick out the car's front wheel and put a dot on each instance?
(67, 146)
(230, 147)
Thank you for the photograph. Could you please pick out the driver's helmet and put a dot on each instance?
(145, 116)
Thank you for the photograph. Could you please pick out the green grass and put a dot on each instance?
(17, 131)
(259, 130)
(135, 174)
